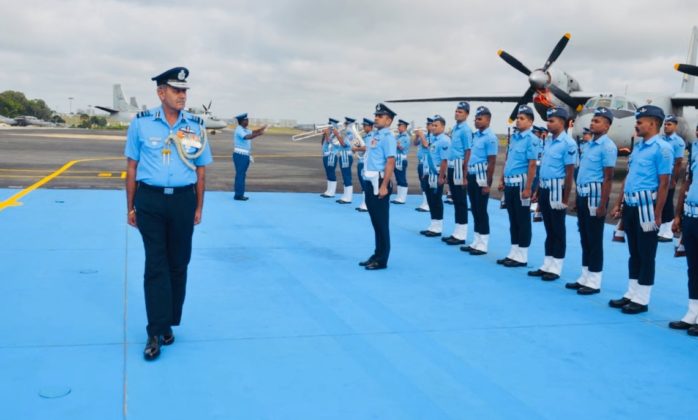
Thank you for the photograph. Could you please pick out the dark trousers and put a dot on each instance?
(460, 200)
(423, 184)
(346, 172)
(379, 211)
(478, 204)
(241, 162)
(689, 229)
(555, 230)
(591, 236)
(401, 175)
(668, 210)
(166, 223)
(519, 218)
(359, 172)
(436, 204)
(642, 246)
(330, 169)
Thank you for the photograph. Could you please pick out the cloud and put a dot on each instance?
(309, 59)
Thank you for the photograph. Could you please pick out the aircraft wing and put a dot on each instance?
(481, 98)
(685, 99)
(582, 97)
(105, 109)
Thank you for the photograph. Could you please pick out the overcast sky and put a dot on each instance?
(310, 59)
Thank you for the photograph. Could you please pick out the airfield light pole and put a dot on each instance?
(70, 105)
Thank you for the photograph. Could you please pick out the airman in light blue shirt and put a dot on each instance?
(649, 159)
(559, 152)
(596, 155)
(523, 148)
(484, 145)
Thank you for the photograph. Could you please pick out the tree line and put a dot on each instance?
(14, 104)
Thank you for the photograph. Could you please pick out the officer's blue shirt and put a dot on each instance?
(347, 137)
(484, 145)
(649, 159)
(558, 152)
(404, 141)
(596, 155)
(422, 151)
(439, 150)
(380, 147)
(692, 194)
(461, 140)
(239, 140)
(677, 144)
(524, 146)
(145, 142)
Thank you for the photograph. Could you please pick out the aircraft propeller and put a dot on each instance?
(540, 78)
(687, 69)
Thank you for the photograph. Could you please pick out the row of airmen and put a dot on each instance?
(550, 158)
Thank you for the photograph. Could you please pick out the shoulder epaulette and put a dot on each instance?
(143, 114)
(195, 118)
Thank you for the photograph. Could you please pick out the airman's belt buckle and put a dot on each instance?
(168, 191)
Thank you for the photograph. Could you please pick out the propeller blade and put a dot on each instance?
(209, 104)
(513, 62)
(525, 99)
(687, 69)
(557, 51)
(563, 96)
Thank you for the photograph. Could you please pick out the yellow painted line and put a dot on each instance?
(104, 174)
(14, 200)
(123, 175)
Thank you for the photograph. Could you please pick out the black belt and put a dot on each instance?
(166, 190)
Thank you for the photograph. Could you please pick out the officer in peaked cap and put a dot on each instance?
(378, 170)
(644, 195)
(422, 139)
(516, 182)
(329, 161)
(556, 177)
(594, 183)
(403, 148)
(242, 142)
(480, 172)
(167, 152)
(678, 147)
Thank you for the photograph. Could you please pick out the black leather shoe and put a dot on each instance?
(241, 198)
(466, 248)
(573, 286)
(663, 239)
(693, 331)
(430, 234)
(513, 263)
(618, 303)
(504, 260)
(446, 238)
(584, 290)
(367, 262)
(633, 308)
(168, 338)
(374, 265)
(323, 195)
(549, 276)
(397, 202)
(474, 251)
(454, 241)
(421, 210)
(680, 325)
(152, 348)
(537, 273)
(342, 202)
(360, 210)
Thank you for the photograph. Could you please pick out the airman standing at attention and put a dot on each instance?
(437, 166)
(686, 221)
(519, 171)
(480, 172)
(678, 146)
(644, 194)
(594, 182)
(241, 155)
(359, 148)
(542, 134)
(329, 160)
(422, 140)
(380, 163)
(345, 158)
(167, 152)
(459, 154)
(403, 148)
(555, 184)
